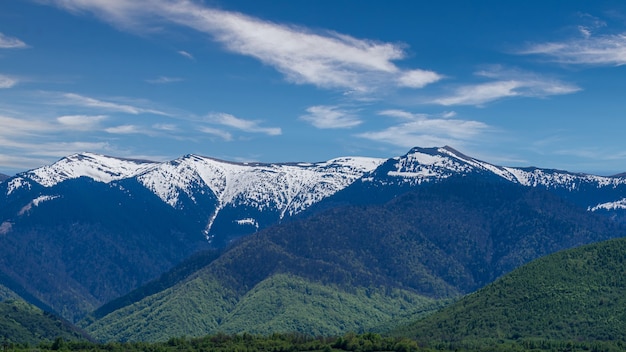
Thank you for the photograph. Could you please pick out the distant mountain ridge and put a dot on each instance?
(426, 166)
(290, 188)
(101, 226)
(282, 189)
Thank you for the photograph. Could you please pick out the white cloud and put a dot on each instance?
(418, 78)
(401, 114)
(584, 31)
(11, 126)
(216, 132)
(81, 122)
(325, 59)
(165, 127)
(479, 94)
(412, 116)
(60, 149)
(125, 129)
(426, 130)
(164, 80)
(330, 117)
(34, 151)
(588, 50)
(80, 100)
(7, 82)
(506, 83)
(186, 54)
(251, 126)
(7, 42)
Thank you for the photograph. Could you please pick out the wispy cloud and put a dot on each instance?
(165, 127)
(251, 126)
(7, 42)
(186, 54)
(426, 130)
(216, 132)
(36, 140)
(125, 129)
(11, 126)
(506, 83)
(31, 155)
(81, 122)
(585, 50)
(7, 82)
(164, 80)
(103, 105)
(326, 59)
(58, 149)
(330, 117)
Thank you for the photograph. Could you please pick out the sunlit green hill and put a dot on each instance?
(23, 323)
(576, 295)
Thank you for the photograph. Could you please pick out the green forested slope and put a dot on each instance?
(281, 303)
(286, 303)
(6, 293)
(440, 242)
(21, 322)
(577, 295)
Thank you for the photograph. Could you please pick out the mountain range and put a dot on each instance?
(360, 268)
(429, 225)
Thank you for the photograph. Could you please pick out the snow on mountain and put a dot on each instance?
(169, 180)
(620, 204)
(97, 167)
(428, 164)
(35, 203)
(283, 188)
(288, 187)
(17, 183)
(562, 179)
(433, 164)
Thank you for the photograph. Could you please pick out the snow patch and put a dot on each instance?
(562, 179)
(35, 203)
(288, 188)
(17, 183)
(5, 227)
(620, 204)
(248, 221)
(100, 168)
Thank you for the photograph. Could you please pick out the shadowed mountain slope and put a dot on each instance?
(436, 242)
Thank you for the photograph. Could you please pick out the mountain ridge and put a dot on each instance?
(433, 243)
(81, 217)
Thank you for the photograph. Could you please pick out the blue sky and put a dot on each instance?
(514, 83)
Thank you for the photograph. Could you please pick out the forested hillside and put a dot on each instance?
(436, 242)
(24, 323)
(573, 295)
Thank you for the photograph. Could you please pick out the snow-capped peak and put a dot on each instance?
(100, 168)
(290, 187)
(426, 164)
